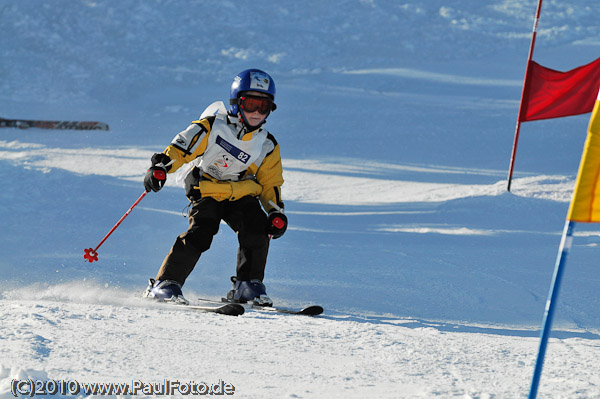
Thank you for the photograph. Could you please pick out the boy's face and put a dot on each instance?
(255, 118)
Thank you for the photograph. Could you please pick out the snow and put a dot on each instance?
(395, 121)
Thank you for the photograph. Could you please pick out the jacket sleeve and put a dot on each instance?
(270, 176)
(189, 144)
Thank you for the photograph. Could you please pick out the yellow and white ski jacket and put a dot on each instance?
(227, 162)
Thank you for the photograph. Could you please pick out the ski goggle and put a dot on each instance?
(250, 104)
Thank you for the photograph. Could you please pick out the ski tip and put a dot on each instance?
(231, 309)
(314, 310)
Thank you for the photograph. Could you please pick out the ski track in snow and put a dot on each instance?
(59, 333)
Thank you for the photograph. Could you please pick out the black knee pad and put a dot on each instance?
(199, 239)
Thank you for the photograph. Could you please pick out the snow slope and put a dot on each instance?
(396, 123)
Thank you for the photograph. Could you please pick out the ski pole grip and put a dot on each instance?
(278, 222)
(161, 174)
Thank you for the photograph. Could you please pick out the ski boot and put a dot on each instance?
(166, 291)
(253, 291)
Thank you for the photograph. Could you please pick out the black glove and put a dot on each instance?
(276, 224)
(156, 176)
(192, 181)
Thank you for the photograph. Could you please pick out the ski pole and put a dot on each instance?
(277, 207)
(92, 254)
(277, 222)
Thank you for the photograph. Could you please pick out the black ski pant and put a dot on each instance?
(245, 216)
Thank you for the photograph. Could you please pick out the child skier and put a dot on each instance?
(234, 167)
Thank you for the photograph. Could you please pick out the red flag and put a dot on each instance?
(553, 94)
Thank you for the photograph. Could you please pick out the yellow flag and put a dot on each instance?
(585, 205)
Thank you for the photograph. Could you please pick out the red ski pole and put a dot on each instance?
(91, 254)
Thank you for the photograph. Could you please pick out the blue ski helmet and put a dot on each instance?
(251, 80)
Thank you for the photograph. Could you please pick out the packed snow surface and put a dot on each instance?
(395, 121)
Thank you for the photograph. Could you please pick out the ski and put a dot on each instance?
(311, 310)
(63, 125)
(229, 309)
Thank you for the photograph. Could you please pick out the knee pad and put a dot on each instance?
(200, 240)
